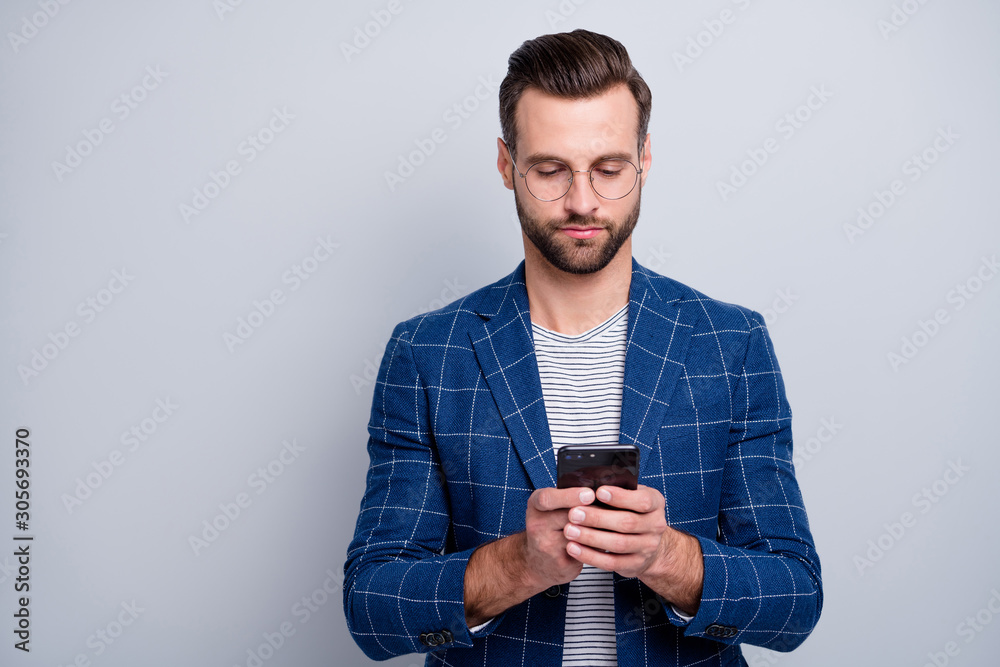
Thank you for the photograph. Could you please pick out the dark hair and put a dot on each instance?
(573, 65)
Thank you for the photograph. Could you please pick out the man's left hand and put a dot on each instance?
(638, 543)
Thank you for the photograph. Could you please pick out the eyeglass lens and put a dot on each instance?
(612, 179)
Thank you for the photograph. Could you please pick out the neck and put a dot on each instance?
(570, 303)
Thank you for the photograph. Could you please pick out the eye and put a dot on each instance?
(551, 170)
(609, 169)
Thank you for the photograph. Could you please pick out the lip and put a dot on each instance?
(582, 232)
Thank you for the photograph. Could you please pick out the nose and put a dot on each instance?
(581, 198)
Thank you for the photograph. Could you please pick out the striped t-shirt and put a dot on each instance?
(582, 379)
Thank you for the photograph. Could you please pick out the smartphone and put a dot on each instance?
(597, 465)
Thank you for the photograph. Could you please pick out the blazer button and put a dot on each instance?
(553, 591)
(433, 639)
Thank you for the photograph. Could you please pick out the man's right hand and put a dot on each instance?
(507, 572)
(545, 558)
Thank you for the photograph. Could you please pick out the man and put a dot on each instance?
(464, 548)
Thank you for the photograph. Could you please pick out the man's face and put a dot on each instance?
(581, 232)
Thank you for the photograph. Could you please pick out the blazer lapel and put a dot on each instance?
(660, 325)
(505, 350)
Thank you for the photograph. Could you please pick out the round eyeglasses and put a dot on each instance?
(549, 180)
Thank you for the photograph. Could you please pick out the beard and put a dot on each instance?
(579, 256)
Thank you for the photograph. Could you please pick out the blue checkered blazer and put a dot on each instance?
(459, 440)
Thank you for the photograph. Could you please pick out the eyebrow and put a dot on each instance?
(532, 158)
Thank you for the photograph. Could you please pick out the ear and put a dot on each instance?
(647, 159)
(505, 164)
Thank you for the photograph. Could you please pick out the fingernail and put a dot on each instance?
(573, 549)
(603, 494)
(572, 531)
(586, 496)
(577, 515)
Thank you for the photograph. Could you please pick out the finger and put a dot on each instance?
(616, 520)
(605, 561)
(540, 523)
(607, 541)
(643, 500)
(548, 499)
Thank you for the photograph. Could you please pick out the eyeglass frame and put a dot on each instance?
(589, 172)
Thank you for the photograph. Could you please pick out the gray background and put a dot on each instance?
(836, 306)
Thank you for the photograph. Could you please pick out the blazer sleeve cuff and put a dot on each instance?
(423, 610)
(706, 621)
(733, 610)
(454, 631)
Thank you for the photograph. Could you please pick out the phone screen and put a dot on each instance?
(597, 465)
